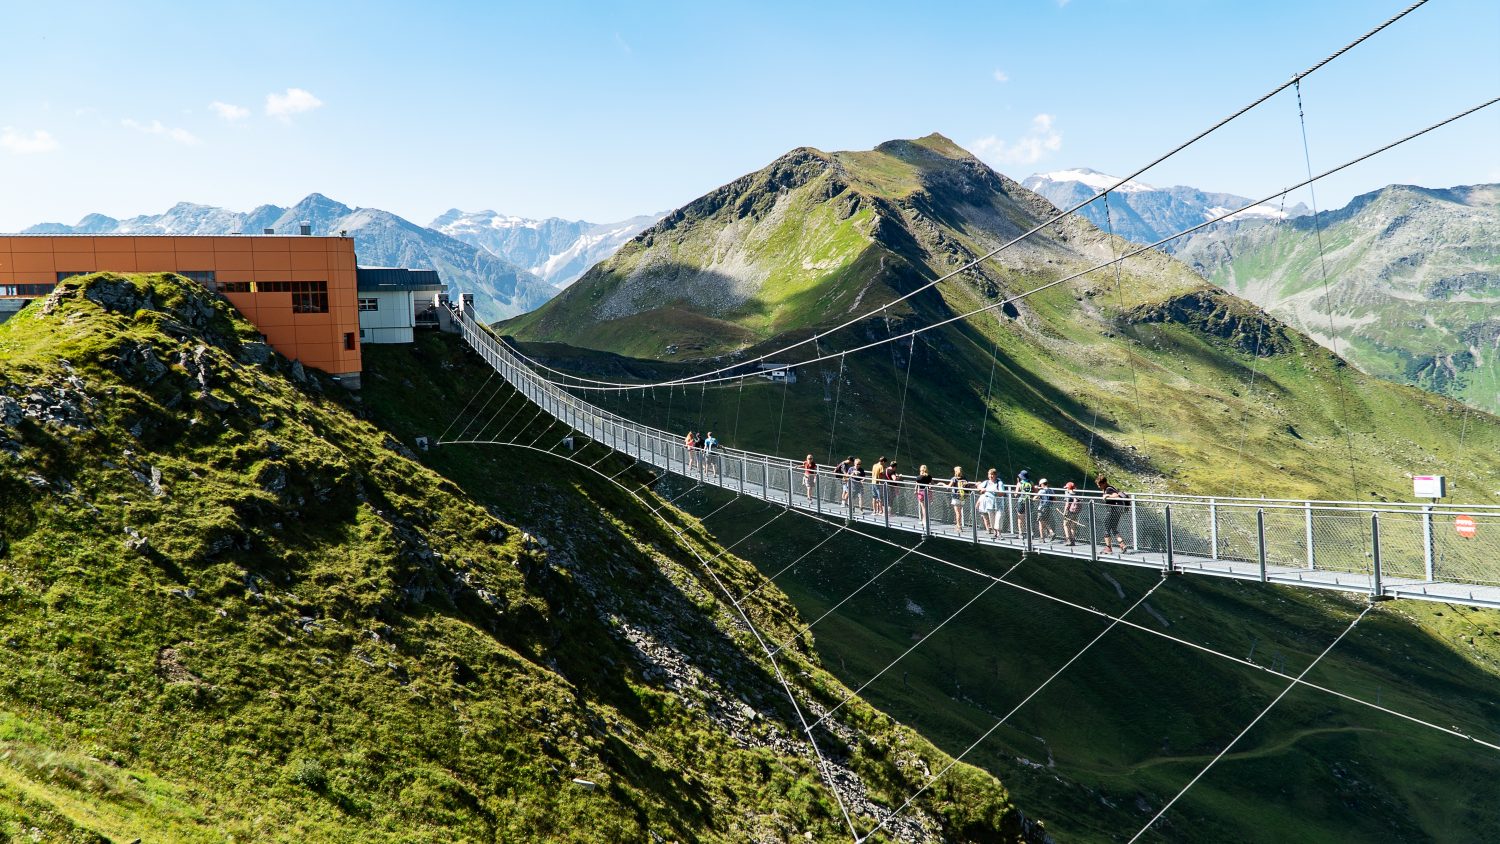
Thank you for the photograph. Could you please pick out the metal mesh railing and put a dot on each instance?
(1318, 542)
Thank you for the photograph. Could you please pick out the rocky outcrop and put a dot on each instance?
(1220, 315)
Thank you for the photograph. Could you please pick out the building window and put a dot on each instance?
(308, 297)
(369, 304)
(204, 277)
(64, 275)
(348, 341)
(232, 286)
(25, 289)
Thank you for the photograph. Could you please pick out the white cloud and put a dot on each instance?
(293, 101)
(156, 127)
(16, 142)
(1001, 76)
(1040, 142)
(228, 111)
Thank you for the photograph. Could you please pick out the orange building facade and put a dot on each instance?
(299, 290)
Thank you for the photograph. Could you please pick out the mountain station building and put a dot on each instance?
(307, 295)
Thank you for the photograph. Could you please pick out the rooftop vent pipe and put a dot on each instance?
(305, 229)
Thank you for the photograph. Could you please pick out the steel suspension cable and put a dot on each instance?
(1132, 253)
(1338, 371)
(928, 635)
(1167, 636)
(824, 768)
(810, 625)
(1251, 725)
(838, 529)
(465, 409)
(1028, 233)
(1006, 717)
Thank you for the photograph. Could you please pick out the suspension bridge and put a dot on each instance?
(1384, 551)
(1378, 550)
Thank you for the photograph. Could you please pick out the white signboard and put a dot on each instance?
(1429, 486)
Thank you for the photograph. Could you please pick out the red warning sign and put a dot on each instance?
(1465, 526)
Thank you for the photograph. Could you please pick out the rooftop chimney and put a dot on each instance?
(267, 231)
(305, 229)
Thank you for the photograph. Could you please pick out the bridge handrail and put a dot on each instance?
(1329, 536)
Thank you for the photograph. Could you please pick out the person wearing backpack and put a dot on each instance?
(957, 492)
(1071, 509)
(843, 472)
(711, 455)
(1023, 502)
(1045, 501)
(1115, 503)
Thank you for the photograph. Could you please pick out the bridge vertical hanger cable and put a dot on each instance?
(1135, 388)
(1239, 451)
(1090, 461)
(464, 434)
(465, 409)
(833, 427)
(1251, 725)
(911, 352)
(984, 411)
(786, 386)
(739, 403)
(1338, 371)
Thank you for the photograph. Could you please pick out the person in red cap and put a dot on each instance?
(1071, 510)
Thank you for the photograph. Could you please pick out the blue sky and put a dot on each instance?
(605, 110)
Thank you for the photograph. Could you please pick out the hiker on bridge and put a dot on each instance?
(924, 486)
(843, 471)
(990, 490)
(1115, 503)
(710, 447)
(1023, 503)
(877, 487)
(1071, 509)
(689, 443)
(957, 492)
(1046, 501)
(809, 471)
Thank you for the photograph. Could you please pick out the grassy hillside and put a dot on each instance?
(232, 607)
(1151, 375)
(1414, 283)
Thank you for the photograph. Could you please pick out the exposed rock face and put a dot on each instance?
(1244, 327)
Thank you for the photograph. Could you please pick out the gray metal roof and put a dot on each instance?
(397, 278)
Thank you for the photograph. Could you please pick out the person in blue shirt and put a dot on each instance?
(711, 452)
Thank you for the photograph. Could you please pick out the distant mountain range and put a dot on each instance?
(501, 287)
(555, 249)
(1143, 213)
(1413, 282)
